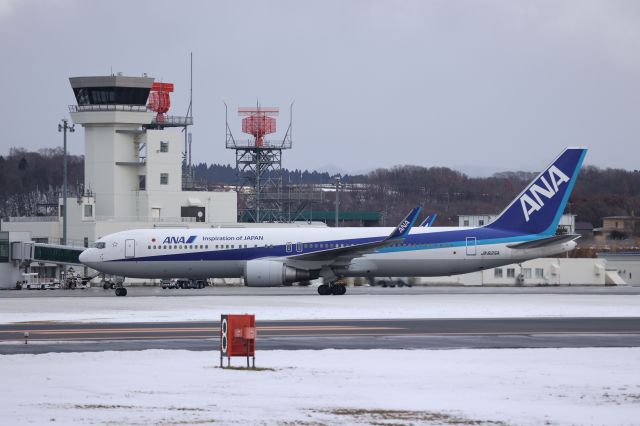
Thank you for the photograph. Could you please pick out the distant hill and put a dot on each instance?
(28, 180)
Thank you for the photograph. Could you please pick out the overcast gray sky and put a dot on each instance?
(477, 85)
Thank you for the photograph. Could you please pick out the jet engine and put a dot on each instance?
(271, 273)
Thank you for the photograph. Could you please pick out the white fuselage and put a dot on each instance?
(224, 252)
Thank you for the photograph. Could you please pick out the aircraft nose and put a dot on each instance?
(85, 257)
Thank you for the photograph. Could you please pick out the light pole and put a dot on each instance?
(63, 128)
(337, 178)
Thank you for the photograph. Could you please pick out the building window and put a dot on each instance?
(466, 222)
(164, 178)
(497, 273)
(88, 210)
(4, 251)
(4, 247)
(526, 272)
(539, 273)
(164, 146)
(511, 273)
(142, 182)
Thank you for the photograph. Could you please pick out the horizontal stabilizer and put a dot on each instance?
(545, 242)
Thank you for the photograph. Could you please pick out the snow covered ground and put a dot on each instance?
(207, 308)
(471, 386)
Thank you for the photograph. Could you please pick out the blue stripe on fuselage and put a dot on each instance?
(423, 241)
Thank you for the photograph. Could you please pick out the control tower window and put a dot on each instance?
(164, 178)
(111, 95)
(164, 146)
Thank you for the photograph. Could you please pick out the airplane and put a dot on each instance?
(271, 257)
(428, 221)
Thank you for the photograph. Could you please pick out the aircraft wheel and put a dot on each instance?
(324, 290)
(343, 290)
(338, 290)
(118, 291)
(123, 292)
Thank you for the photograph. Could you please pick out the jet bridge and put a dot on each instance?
(55, 253)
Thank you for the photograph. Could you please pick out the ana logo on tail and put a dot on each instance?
(531, 201)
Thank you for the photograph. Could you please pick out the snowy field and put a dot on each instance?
(471, 386)
(207, 308)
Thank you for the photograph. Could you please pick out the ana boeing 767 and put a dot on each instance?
(271, 257)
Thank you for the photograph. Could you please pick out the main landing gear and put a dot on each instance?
(121, 291)
(332, 288)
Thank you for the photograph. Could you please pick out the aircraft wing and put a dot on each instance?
(544, 242)
(357, 250)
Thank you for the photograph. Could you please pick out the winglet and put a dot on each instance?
(402, 230)
(425, 222)
(428, 221)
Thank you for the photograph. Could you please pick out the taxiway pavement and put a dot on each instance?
(326, 334)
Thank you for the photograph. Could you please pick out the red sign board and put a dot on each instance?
(237, 335)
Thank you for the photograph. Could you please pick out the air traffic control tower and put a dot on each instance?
(113, 111)
(133, 157)
(133, 167)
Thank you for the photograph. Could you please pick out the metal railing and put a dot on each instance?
(145, 219)
(250, 143)
(108, 107)
(33, 219)
(173, 121)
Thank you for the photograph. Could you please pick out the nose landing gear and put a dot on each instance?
(121, 291)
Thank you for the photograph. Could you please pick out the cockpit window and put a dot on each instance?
(99, 245)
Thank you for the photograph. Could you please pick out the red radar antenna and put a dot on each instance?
(159, 100)
(258, 122)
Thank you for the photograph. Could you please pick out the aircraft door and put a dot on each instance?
(129, 248)
(288, 247)
(471, 246)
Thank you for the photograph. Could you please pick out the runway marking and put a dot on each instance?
(193, 329)
(205, 337)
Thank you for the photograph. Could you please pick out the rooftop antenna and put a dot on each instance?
(190, 108)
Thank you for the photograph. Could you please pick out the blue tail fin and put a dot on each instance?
(538, 208)
(428, 221)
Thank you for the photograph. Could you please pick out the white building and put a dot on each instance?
(132, 169)
(627, 264)
(567, 221)
(15, 248)
(536, 272)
